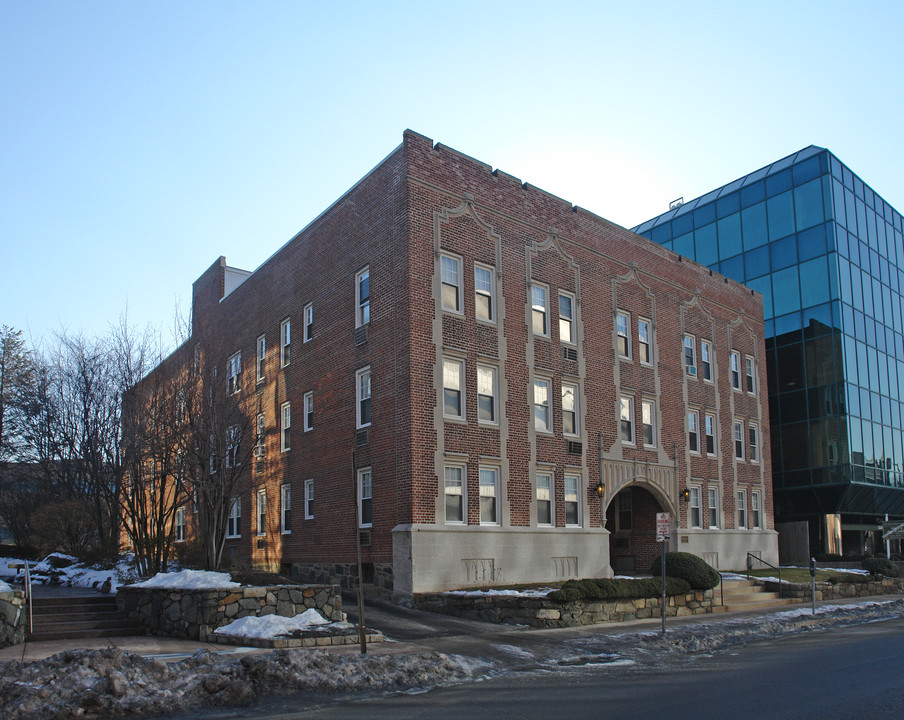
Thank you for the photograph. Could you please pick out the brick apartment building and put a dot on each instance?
(484, 371)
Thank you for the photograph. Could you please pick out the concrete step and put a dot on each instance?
(740, 606)
(78, 618)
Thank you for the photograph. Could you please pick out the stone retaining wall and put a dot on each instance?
(13, 618)
(196, 614)
(539, 612)
(839, 591)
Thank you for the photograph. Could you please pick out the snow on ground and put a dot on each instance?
(271, 626)
(527, 592)
(190, 580)
(4, 587)
(5, 570)
(65, 570)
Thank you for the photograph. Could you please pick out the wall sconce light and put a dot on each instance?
(685, 495)
(600, 488)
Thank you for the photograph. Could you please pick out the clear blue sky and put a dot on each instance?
(142, 140)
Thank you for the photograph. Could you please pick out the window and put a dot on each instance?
(695, 510)
(742, 509)
(362, 382)
(693, 432)
(709, 426)
(713, 498)
(234, 519)
(486, 394)
(232, 446)
(453, 389)
(643, 342)
(542, 419)
(309, 410)
(261, 356)
(624, 519)
(690, 356)
(234, 374)
(739, 440)
(539, 310)
(259, 436)
(285, 342)
(308, 322)
(261, 512)
(566, 318)
(454, 494)
(362, 297)
(756, 516)
(197, 364)
(484, 293)
(309, 499)
(365, 498)
(179, 525)
(489, 491)
(626, 419)
(285, 505)
(648, 420)
(572, 503)
(753, 444)
(570, 423)
(735, 371)
(706, 360)
(285, 414)
(213, 454)
(748, 369)
(544, 499)
(621, 331)
(451, 282)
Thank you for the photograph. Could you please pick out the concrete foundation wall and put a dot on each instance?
(727, 549)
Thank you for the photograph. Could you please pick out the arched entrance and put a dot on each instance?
(631, 520)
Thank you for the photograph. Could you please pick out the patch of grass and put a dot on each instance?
(802, 575)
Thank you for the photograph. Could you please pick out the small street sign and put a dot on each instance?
(662, 527)
(892, 530)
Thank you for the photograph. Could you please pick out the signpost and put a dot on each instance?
(663, 523)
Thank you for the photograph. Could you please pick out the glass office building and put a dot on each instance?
(827, 254)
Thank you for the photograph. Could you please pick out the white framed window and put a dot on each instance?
(309, 411)
(545, 508)
(261, 512)
(626, 419)
(197, 363)
(179, 525)
(285, 506)
(285, 342)
(489, 494)
(309, 499)
(648, 422)
(706, 360)
(566, 318)
(695, 507)
(735, 370)
(623, 339)
(285, 423)
(234, 518)
(690, 356)
(261, 357)
(234, 374)
(232, 446)
(624, 517)
(365, 498)
(260, 435)
(572, 501)
(454, 493)
(450, 276)
(362, 385)
(542, 415)
(453, 389)
(742, 509)
(539, 299)
(693, 432)
(749, 374)
(571, 424)
(756, 510)
(644, 342)
(709, 429)
(739, 440)
(362, 297)
(487, 405)
(308, 322)
(713, 507)
(753, 443)
(484, 293)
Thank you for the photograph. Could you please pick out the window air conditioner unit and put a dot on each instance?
(691, 369)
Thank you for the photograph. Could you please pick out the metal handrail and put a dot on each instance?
(751, 557)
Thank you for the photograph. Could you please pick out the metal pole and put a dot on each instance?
(361, 634)
(813, 583)
(663, 586)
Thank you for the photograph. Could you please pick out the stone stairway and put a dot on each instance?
(739, 595)
(70, 618)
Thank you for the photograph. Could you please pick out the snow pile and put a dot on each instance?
(190, 580)
(528, 592)
(4, 587)
(271, 626)
(65, 570)
(110, 682)
(5, 570)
